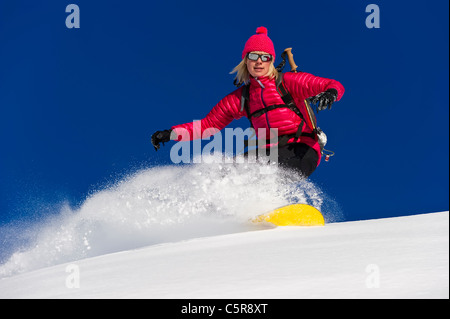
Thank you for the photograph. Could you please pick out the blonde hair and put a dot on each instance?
(243, 76)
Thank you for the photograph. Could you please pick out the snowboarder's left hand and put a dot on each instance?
(160, 137)
(324, 99)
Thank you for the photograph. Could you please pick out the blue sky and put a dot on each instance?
(78, 106)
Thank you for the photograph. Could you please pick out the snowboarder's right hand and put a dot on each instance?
(160, 137)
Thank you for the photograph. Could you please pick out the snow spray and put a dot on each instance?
(159, 205)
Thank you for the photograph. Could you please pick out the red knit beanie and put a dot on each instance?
(259, 42)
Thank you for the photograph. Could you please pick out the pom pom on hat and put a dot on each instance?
(259, 42)
(261, 30)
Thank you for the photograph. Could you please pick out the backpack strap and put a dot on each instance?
(288, 100)
(290, 103)
(245, 97)
(285, 95)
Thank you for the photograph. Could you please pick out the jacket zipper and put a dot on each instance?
(264, 103)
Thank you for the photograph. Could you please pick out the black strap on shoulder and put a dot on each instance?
(287, 97)
(284, 93)
(290, 103)
(279, 79)
(245, 97)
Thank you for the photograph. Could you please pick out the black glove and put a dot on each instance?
(160, 137)
(324, 99)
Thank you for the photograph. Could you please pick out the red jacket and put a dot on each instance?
(263, 93)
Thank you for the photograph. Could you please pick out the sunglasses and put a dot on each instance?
(256, 56)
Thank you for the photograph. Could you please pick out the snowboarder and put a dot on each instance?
(266, 108)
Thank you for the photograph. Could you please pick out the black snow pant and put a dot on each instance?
(297, 156)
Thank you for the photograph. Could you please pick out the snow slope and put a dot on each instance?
(403, 257)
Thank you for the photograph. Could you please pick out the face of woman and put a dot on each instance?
(258, 68)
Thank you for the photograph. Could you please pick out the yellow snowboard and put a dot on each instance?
(292, 215)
